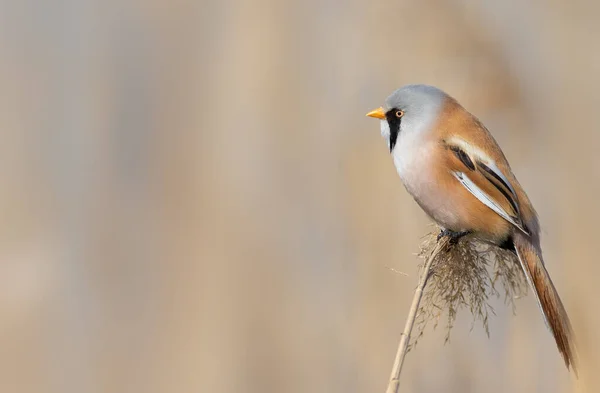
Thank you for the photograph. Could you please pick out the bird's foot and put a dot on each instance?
(454, 236)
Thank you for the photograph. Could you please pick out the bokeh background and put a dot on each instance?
(192, 199)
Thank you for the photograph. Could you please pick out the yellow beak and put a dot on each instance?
(377, 113)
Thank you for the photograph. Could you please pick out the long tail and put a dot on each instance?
(552, 308)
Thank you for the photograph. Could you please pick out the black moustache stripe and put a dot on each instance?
(394, 123)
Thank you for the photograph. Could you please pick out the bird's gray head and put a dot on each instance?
(409, 110)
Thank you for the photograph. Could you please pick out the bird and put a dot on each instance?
(457, 173)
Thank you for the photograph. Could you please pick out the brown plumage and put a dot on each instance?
(527, 245)
(456, 171)
(552, 307)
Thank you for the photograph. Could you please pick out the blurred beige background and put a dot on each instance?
(192, 199)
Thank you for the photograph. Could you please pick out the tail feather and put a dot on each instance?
(554, 312)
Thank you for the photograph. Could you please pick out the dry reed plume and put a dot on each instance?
(458, 275)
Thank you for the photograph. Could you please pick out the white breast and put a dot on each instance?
(414, 157)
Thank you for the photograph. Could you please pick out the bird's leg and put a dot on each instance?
(454, 236)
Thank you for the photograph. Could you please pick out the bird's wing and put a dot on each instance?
(480, 175)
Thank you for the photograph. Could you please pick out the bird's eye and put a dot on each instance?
(399, 114)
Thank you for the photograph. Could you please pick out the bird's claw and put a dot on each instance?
(454, 236)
